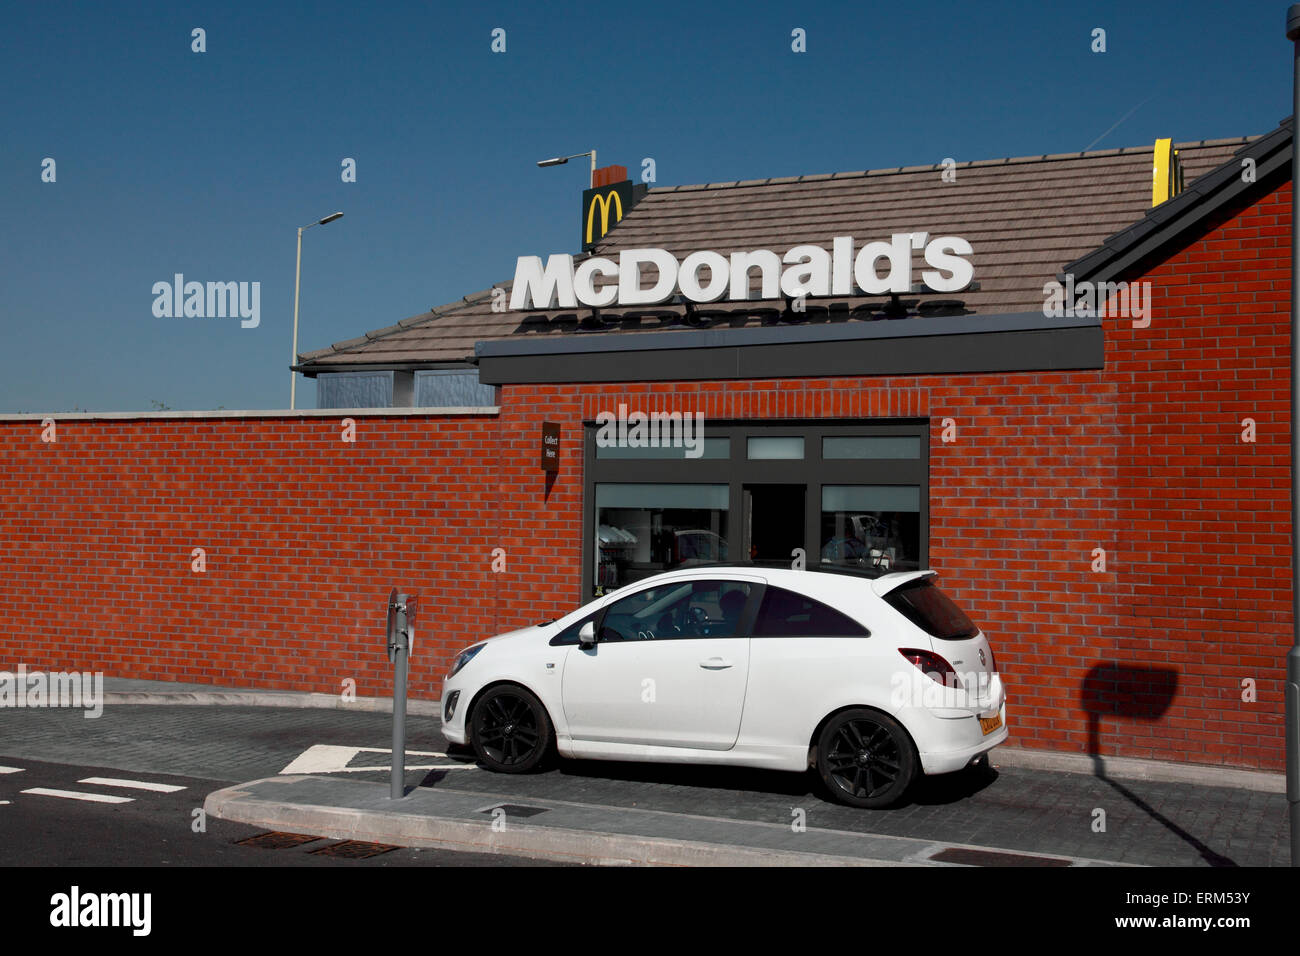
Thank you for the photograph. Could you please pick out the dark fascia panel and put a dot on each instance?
(564, 344)
(1168, 223)
(977, 344)
(312, 369)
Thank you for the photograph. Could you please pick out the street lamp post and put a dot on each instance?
(561, 160)
(297, 277)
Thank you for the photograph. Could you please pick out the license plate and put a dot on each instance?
(990, 724)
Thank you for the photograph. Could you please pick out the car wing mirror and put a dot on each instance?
(587, 635)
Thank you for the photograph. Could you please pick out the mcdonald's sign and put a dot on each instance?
(604, 206)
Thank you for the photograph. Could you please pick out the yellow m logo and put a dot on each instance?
(606, 201)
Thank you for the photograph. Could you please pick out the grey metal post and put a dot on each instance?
(1292, 690)
(401, 651)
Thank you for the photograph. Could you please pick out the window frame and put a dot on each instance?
(737, 471)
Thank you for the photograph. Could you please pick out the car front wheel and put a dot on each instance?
(866, 759)
(510, 730)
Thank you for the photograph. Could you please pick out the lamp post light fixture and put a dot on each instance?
(297, 276)
(561, 160)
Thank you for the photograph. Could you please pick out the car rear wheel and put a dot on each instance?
(510, 730)
(866, 759)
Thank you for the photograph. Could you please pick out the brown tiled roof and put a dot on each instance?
(1025, 218)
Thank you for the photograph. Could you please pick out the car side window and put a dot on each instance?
(787, 614)
(682, 609)
(570, 634)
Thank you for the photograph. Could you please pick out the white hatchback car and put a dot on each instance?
(871, 680)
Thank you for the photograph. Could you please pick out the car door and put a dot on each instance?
(669, 667)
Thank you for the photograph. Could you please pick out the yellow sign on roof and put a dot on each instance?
(1166, 173)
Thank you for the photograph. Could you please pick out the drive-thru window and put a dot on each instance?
(850, 494)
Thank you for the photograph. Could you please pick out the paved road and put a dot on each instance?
(110, 814)
(1032, 811)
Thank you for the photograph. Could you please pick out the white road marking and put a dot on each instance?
(11, 769)
(330, 758)
(75, 795)
(133, 784)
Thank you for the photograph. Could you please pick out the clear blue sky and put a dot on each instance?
(206, 163)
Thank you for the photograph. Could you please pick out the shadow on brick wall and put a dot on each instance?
(1134, 692)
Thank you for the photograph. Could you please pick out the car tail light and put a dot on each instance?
(932, 665)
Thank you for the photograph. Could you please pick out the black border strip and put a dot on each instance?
(1057, 349)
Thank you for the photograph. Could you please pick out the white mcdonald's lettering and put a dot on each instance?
(803, 270)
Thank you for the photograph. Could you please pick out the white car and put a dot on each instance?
(871, 680)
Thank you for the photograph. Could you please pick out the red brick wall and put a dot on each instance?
(304, 535)
(1017, 503)
(1143, 459)
(1204, 559)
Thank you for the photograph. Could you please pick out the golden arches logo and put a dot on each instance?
(609, 199)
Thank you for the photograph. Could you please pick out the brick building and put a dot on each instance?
(1107, 496)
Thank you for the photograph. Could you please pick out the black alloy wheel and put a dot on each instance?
(866, 759)
(511, 731)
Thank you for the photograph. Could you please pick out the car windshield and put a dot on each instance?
(922, 603)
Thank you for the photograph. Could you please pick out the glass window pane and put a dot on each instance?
(882, 446)
(683, 609)
(787, 448)
(922, 603)
(642, 529)
(451, 388)
(786, 614)
(624, 495)
(871, 497)
(877, 527)
(354, 390)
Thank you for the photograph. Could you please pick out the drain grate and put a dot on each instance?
(276, 840)
(515, 810)
(967, 857)
(354, 850)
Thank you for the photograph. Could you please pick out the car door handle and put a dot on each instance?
(715, 664)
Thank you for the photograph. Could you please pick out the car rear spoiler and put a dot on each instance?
(889, 582)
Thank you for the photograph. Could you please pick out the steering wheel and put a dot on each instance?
(697, 619)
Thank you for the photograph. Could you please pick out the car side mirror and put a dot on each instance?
(587, 635)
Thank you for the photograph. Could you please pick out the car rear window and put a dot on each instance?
(931, 610)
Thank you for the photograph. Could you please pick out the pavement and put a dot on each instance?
(118, 690)
(1045, 813)
(575, 832)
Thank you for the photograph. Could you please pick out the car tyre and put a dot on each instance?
(866, 759)
(510, 730)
